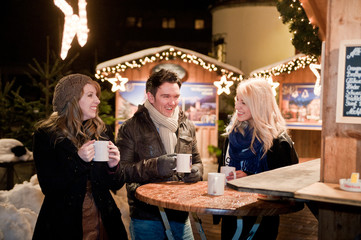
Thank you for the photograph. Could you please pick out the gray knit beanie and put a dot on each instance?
(68, 87)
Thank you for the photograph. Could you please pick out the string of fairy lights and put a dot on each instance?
(168, 54)
(293, 65)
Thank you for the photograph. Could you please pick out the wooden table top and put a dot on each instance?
(193, 197)
(283, 181)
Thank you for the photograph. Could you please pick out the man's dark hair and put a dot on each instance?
(158, 78)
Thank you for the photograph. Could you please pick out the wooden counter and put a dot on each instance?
(329, 192)
(299, 181)
(282, 181)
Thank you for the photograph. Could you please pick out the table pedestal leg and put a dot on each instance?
(168, 230)
(255, 227)
(253, 230)
(198, 223)
(237, 234)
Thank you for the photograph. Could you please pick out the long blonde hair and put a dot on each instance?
(69, 124)
(268, 122)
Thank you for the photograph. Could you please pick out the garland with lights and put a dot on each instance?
(305, 36)
(168, 54)
(293, 65)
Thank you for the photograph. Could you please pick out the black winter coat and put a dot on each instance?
(139, 141)
(63, 177)
(281, 154)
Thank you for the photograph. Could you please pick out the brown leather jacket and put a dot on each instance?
(138, 140)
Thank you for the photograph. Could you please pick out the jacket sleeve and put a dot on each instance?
(58, 166)
(222, 159)
(282, 153)
(135, 170)
(196, 157)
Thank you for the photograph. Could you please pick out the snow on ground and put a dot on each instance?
(19, 209)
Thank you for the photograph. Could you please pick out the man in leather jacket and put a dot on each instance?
(158, 130)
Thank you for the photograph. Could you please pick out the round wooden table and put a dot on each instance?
(193, 197)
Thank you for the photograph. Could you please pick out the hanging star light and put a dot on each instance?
(316, 69)
(118, 82)
(273, 84)
(223, 85)
(73, 24)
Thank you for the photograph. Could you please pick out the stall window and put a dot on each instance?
(219, 48)
(198, 24)
(134, 22)
(168, 23)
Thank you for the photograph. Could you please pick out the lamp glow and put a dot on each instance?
(314, 68)
(223, 85)
(118, 82)
(73, 24)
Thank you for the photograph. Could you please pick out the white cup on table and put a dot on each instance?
(216, 183)
(184, 162)
(101, 151)
(227, 170)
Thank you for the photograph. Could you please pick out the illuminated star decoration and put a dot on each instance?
(223, 85)
(273, 84)
(73, 24)
(315, 69)
(118, 82)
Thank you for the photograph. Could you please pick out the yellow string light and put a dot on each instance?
(293, 65)
(172, 54)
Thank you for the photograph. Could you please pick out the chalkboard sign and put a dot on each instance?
(348, 108)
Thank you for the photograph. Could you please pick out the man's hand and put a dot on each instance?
(166, 165)
(194, 176)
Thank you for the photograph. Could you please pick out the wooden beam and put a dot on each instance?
(316, 11)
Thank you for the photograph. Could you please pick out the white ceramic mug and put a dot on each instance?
(227, 170)
(101, 151)
(216, 183)
(184, 162)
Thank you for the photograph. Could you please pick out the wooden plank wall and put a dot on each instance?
(206, 135)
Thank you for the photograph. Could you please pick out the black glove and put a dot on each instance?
(166, 165)
(194, 176)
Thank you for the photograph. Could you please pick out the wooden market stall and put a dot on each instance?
(199, 98)
(299, 97)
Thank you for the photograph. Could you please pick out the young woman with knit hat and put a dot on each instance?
(78, 203)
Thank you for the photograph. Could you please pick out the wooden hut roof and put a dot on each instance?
(140, 58)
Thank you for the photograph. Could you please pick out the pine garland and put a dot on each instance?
(305, 36)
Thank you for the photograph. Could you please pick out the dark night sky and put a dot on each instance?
(25, 25)
(24, 29)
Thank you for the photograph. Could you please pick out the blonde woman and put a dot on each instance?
(257, 142)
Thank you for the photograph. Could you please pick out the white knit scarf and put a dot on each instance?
(167, 126)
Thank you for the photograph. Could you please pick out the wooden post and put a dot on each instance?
(344, 23)
(341, 142)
